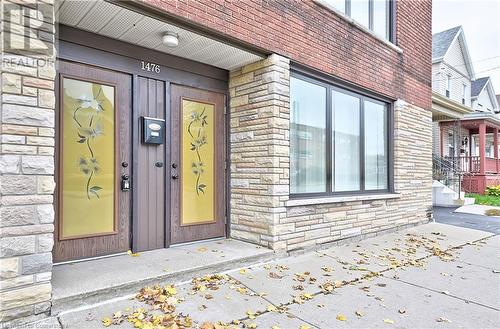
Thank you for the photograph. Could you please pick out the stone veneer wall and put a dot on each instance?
(27, 167)
(261, 211)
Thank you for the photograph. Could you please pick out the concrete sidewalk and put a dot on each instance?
(431, 276)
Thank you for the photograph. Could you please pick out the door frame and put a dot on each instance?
(84, 47)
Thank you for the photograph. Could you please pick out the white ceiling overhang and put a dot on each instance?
(123, 24)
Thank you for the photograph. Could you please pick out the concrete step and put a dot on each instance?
(85, 283)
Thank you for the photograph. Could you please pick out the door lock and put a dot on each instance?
(125, 183)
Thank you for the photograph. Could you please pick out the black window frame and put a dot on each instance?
(330, 85)
(391, 18)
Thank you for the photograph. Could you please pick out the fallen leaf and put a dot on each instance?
(243, 271)
(271, 308)
(443, 319)
(275, 327)
(304, 326)
(106, 322)
(130, 253)
(341, 317)
(207, 325)
(306, 296)
(321, 305)
(202, 249)
(274, 275)
(170, 290)
(389, 321)
(358, 313)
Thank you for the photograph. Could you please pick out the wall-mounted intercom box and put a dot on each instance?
(153, 130)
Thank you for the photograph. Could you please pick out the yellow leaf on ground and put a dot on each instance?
(275, 327)
(341, 317)
(106, 322)
(306, 296)
(130, 253)
(170, 290)
(207, 325)
(243, 271)
(202, 249)
(389, 321)
(271, 308)
(305, 326)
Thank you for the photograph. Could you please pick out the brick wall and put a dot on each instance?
(310, 34)
(261, 211)
(26, 167)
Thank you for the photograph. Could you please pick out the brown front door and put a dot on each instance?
(197, 164)
(93, 156)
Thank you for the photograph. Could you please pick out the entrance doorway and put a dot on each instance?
(93, 154)
(117, 192)
(197, 165)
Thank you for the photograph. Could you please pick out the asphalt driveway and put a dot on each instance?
(446, 215)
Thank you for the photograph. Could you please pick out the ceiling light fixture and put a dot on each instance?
(170, 39)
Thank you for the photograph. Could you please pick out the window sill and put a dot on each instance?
(348, 19)
(337, 199)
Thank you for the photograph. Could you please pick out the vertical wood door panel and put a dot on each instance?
(149, 233)
(96, 244)
(208, 130)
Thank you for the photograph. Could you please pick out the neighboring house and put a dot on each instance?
(464, 120)
(483, 96)
(284, 124)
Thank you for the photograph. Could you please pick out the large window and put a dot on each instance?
(307, 137)
(374, 14)
(339, 140)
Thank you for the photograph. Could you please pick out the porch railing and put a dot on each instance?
(466, 164)
(492, 165)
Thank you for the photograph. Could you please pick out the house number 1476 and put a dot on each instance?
(150, 67)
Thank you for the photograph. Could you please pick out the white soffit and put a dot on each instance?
(113, 21)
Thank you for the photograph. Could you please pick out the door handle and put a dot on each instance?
(175, 176)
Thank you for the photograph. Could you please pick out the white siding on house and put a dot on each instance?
(439, 73)
(455, 57)
(436, 137)
(485, 100)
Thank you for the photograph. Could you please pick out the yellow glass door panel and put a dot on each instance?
(88, 159)
(197, 163)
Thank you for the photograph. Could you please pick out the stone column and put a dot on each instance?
(259, 141)
(26, 160)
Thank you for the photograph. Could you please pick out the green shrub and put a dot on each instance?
(492, 212)
(493, 190)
